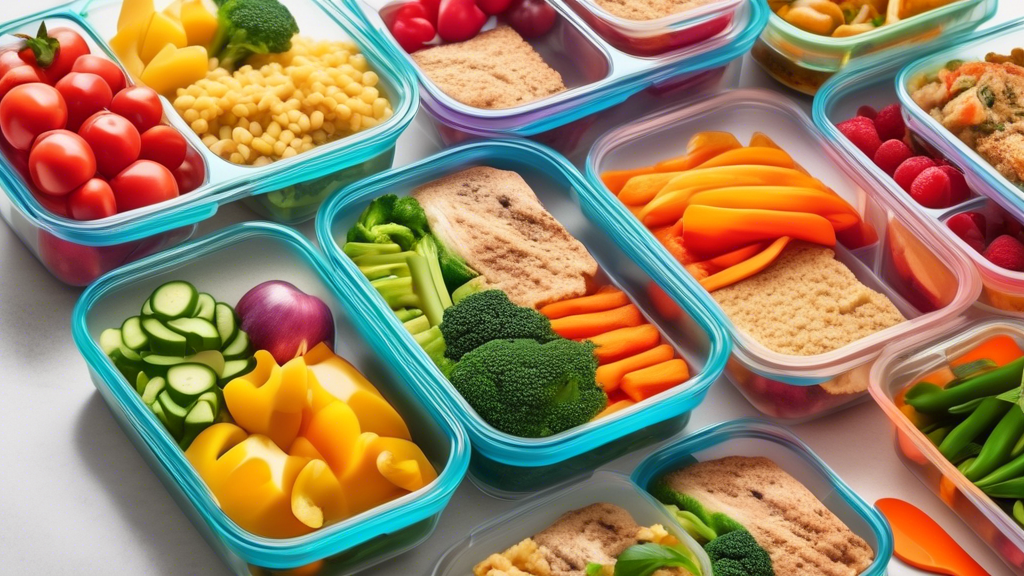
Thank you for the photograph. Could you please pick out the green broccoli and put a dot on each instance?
(691, 514)
(247, 27)
(738, 554)
(408, 212)
(526, 388)
(490, 315)
(453, 268)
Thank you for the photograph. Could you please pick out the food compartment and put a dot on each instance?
(503, 464)
(755, 438)
(227, 264)
(899, 368)
(542, 510)
(892, 253)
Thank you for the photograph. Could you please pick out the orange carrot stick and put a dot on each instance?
(756, 155)
(809, 200)
(642, 189)
(616, 180)
(618, 344)
(1000, 349)
(733, 258)
(588, 325)
(610, 375)
(709, 231)
(614, 407)
(646, 382)
(599, 302)
(702, 147)
(745, 269)
(762, 139)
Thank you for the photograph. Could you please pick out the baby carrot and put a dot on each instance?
(594, 323)
(624, 342)
(603, 300)
(646, 382)
(1000, 349)
(610, 375)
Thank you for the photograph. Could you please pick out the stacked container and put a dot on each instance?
(289, 190)
(927, 280)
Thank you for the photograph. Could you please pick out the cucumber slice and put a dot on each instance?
(132, 334)
(212, 358)
(163, 340)
(186, 382)
(130, 355)
(205, 307)
(235, 368)
(200, 334)
(213, 398)
(159, 411)
(175, 299)
(175, 413)
(199, 418)
(153, 389)
(226, 321)
(147, 309)
(140, 382)
(158, 364)
(110, 341)
(237, 348)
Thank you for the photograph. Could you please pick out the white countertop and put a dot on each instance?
(76, 497)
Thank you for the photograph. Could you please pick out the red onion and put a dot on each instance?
(284, 320)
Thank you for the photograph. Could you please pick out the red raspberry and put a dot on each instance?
(889, 123)
(861, 132)
(931, 188)
(958, 189)
(891, 154)
(1011, 226)
(1006, 252)
(867, 112)
(910, 169)
(970, 227)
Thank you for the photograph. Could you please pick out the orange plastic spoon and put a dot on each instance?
(923, 544)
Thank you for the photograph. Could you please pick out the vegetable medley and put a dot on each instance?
(840, 18)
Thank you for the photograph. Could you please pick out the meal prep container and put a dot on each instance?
(504, 465)
(899, 366)
(227, 264)
(597, 75)
(542, 510)
(290, 190)
(928, 280)
(873, 83)
(804, 61)
(751, 437)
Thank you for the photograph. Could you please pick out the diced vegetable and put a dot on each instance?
(176, 299)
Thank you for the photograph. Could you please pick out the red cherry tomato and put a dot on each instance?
(29, 110)
(56, 205)
(103, 68)
(85, 94)
(92, 201)
(60, 162)
(459, 20)
(531, 18)
(114, 140)
(165, 145)
(432, 7)
(71, 263)
(54, 52)
(192, 172)
(10, 60)
(143, 183)
(493, 7)
(412, 33)
(140, 105)
(412, 10)
(23, 74)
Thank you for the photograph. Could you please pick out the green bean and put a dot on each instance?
(1009, 489)
(980, 421)
(997, 449)
(1012, 469)
(931, 400)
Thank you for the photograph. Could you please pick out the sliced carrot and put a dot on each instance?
(702, 147)
(735, 257)
(615, 180)
(709, 231)
(745, 269)
(762, 139)
(642, 189)
(614, 407)
(624, 342)
(1000, 349)
(756, 155)
(794, 199)
(599, 302)
(663, 303)
(672, 238)
(646, 382)
(610, 375)
(588, 325)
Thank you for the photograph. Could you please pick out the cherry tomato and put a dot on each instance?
(54, 52)
(459, 20)
(79, 265)
(412, 10)
(92, 201)
(493, 7)
(29, 110)
(23, 74)
(140, 105)
(60, 162)
(85, 94)
(143, 183)
(412, 33)
(10, 60)
(192, 172)
(56, 205)
(165, 145)
(103, 68)
(432, 7)
(114, 140)
(531, 18)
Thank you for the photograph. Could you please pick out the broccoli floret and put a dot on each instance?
(738, 554)
(387, 233)
(454, 269)
(247, 27)
(490, 315)
(692, 515)
(529, 389)
(408, 212)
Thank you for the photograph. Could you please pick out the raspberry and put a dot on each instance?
(861, 132)
(958, 189)
(909, 169)
(1011, 226)
(889, 123)
(867, 112)
(1006, 252)
(970, 227)
(891, 154)
(931, 188)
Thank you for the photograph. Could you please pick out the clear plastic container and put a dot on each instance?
(872, 83)
(757, 438)
(928, 280)
(289, 190)
(542, 510)
(899, 366)
(597, 75)
(227, 264)
(804, 61)
(504, 465)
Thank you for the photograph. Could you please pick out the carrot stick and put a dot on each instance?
(614, 407)
(709, 231)
(646, 382)
(1001, 349)
(624, 342)
(588, 325)
(610, 375)
(762, 139)
(702, 147)
(745, 269)
(599, 302)
(757, 155)
(809, 200)
(642, 189)
(735, 257)
(615, 180)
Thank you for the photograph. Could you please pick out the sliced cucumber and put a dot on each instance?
(200, 334)
(213, 398)
(199, 418)
(175, 299)
(110, 341)
(155, 407)
(140, 382)
(235, 368)
(147, 309)
(226, 321)
(132, 334)
(153, 389)
(186, 382)
(163, 340)
(237, 348)
(175, 413)
(130, 355)
(158, 364)
(205, 307)
(212, 358)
